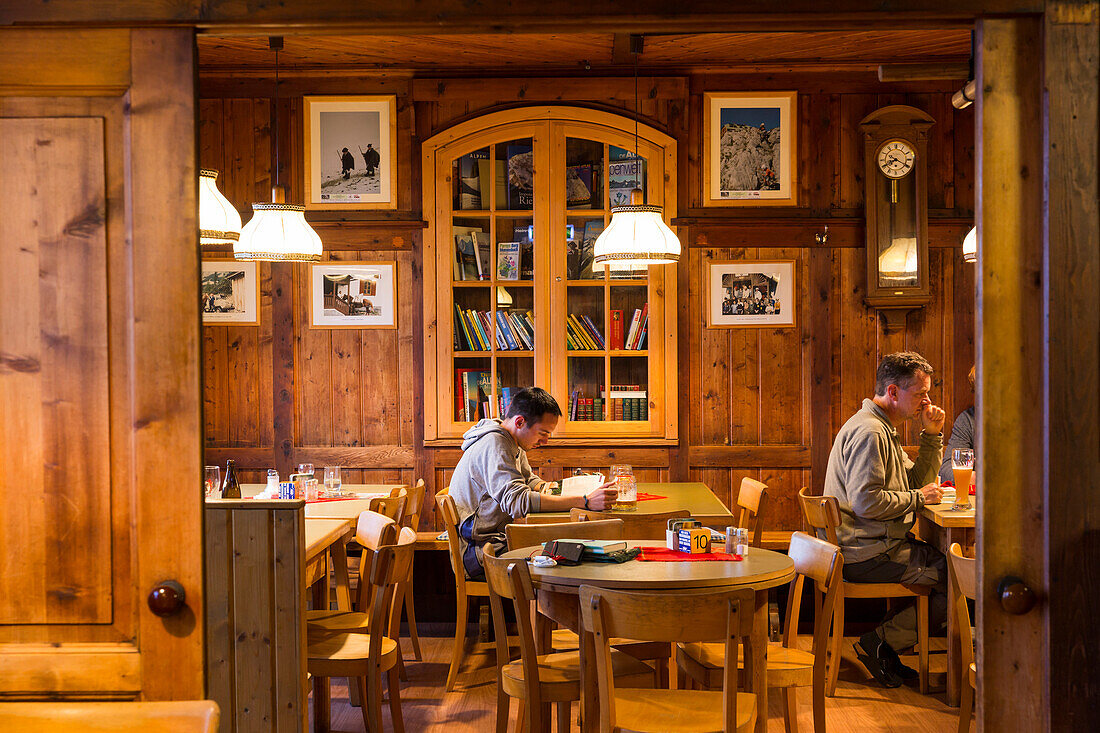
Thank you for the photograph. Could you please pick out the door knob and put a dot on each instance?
(167, 598)
(1016, 597)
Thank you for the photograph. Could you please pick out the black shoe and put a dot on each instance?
(879, 659)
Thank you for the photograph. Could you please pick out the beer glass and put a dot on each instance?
(962, 466)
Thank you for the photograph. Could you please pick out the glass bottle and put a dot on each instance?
(231, 488)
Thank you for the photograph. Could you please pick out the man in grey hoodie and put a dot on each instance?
(493, 484)
(879, 491)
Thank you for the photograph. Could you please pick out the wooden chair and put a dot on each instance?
(181, 716)
(372, 531)
(964, 579)
(464, 588)
(392, 506)
(635, 526)
(414, 504)
(538, 680)
(364, 657)
(789, 667)
(670, 617)
(751, 499)
(823, 513)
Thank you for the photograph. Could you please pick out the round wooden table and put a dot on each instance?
(557, 588)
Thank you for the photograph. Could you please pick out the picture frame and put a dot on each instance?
(751, 149)
(350, 151)
(751, 294)
(353, 294)
(229, 293)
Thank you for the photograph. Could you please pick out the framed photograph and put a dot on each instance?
(353, 295)
(750, 141)
(230, 293)
(744, 294)
(350, 152)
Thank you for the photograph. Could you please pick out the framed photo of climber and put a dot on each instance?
(751, 145)
(350, 152)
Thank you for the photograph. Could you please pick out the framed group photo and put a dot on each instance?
(750, 144)
(747, 294)
(353, 295)
(350, 152)
(230, 293)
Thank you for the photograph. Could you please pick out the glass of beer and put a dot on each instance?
(623, 476)
(962, 465)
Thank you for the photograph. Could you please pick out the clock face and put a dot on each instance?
(895, 158)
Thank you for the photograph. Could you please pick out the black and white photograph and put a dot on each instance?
(349, 152)
(750, 139)
(230, 293)
(743, 293)
(353, 295)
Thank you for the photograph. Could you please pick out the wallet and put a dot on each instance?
(566, 553)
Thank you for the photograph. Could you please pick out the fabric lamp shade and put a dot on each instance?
(219, 222)
(278, 232)
(970, 246)
(636, 238)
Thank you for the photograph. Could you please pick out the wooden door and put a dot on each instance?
(100, 431)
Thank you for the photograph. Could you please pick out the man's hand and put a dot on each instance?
(932, 493)
(601, 499)
(931, 418)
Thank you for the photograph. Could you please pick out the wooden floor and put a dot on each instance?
(859, 705)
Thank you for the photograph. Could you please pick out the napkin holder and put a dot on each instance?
(687, 535)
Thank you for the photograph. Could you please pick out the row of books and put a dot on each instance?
(634, 408)
(473, 256)
(639, 329)
(512, 177)
(474, 395)
(581, 334)
(474, 330)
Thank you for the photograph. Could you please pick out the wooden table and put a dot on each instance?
(341, 509)
(558, 587)
(326, 544)
(940, 527)
(693, 496)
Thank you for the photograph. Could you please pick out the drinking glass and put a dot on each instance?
(623, 476)
(305, 468)
(962, 466)
(212, 482)
(332, 480)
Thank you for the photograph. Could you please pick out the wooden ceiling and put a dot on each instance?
(550, 52)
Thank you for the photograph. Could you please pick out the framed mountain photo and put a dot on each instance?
(750, 141)
(350, 152)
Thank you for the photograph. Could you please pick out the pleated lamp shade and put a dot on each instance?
(219, 222)
(278, 232)
(970, 246)
(636, 238)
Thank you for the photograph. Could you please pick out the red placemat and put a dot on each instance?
(663, 554)
(338, 498)
(644, 496)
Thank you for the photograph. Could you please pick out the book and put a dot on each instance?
(643, 321)
(597, 547)
(597, 408)
(521, 176)
(594, 332)
(615, 334)
(593, 228)
(635, 324)
(645, 330)
(467, 254)
(504, 330)
(469, 181)
(483, 251)
(578, 186)
(461, 407)
(625, 172)
(462, 334)
(508, 260)
(578, 257)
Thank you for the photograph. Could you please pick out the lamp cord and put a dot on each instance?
(637, 113)
(276, 105)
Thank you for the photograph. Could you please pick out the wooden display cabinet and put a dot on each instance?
(542, 181)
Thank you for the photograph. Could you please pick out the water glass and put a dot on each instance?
(332, 480)
(212, 482)
(305, 468)
(962, 466)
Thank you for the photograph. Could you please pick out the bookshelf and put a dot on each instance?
(514, 201)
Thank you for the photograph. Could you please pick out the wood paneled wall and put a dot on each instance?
(758, 402)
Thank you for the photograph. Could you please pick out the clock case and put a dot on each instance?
(911, 125)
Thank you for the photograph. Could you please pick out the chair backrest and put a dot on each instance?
(635, 526)
(751, 499)
(181, 716)
(511, 580)
(666, 616)
(820, 562)
(527, 535)
(414, 505)
(392, 568)
(449, 512)
(393, 506)
(964, 578)
(372, 531)
(821, 513)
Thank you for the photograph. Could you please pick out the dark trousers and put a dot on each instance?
(912, 562)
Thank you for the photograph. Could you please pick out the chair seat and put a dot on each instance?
(351, 621)
(560, 675)
(337, 654)
(679, 711)
(973, 674)
(883, 590)
(786, 667)
(564, 640)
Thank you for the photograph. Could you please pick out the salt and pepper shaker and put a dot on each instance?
(729, 540)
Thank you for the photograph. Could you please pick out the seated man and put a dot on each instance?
(879, 491)
(493, 484)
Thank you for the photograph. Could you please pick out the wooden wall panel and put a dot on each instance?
(749, 391)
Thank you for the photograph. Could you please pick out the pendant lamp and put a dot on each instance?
(637, 236)
(970, 246)
(219, 222)
(278, 231)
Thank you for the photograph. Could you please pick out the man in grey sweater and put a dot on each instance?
(493, 484)
(879, 491)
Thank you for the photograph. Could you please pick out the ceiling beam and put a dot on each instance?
(921, 72)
